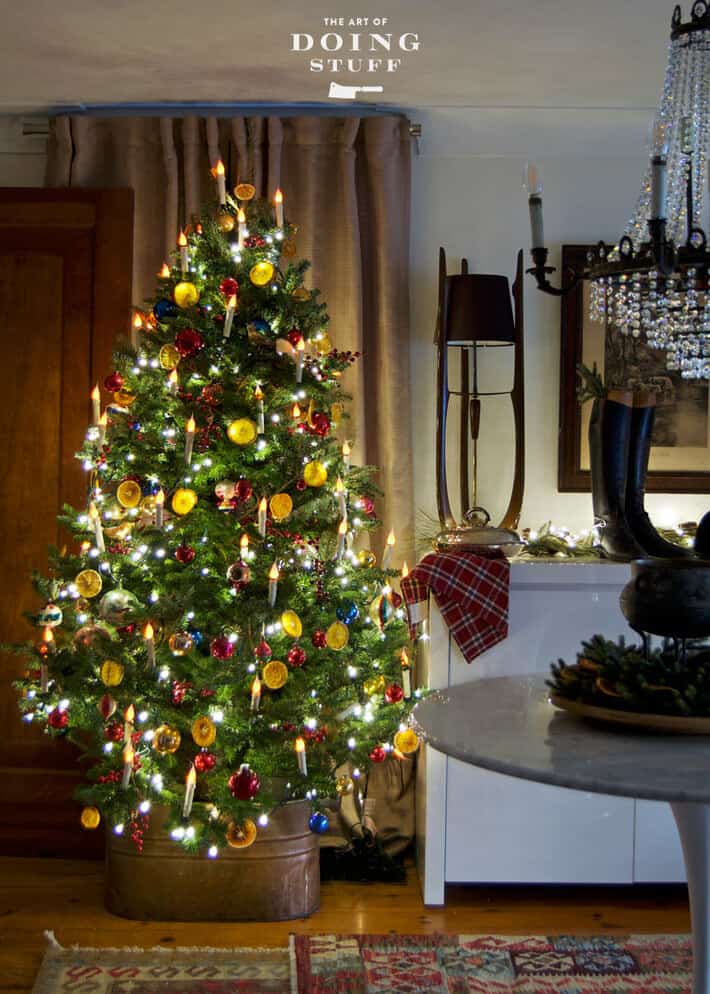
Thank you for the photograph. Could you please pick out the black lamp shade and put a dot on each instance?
(478, 309)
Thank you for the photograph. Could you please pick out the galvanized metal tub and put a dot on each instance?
(274, 879)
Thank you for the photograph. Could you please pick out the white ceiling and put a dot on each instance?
(539, 53)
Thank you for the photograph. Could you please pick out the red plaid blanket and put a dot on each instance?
(472, 594)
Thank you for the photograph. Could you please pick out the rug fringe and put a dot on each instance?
(52, 939)
(164, 950)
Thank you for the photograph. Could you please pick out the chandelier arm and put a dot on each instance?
(664, 255)
(540, 271)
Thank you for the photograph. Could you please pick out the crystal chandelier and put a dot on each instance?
(654, 281)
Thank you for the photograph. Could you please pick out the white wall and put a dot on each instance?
(467, 196)
(22, 159)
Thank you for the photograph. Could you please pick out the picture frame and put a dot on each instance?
(680, 452)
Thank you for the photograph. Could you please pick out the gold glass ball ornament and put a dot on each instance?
(240, 834)
(184, 500)
(90, 817)
(166, 739)
(281, 506)
(169, 357)
(300, 293)
(226, 221)
(315, 474)
(87, 634)
(366, 558)
(204, 731)
(180, 643)
(129, 493)
(337, 636)
(374, 685)
(244, 191)
(275, 674)
(323, 345)
(262, 273)
(186, 294)
(291, 624)
(243, 431)
(124, 397)
(112, 673)
(407, 741)
(344, 785)
(89, 583)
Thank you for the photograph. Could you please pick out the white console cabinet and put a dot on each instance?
(474, 826)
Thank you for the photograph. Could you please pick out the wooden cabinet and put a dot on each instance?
(65, 294)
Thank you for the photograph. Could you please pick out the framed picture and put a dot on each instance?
(680, 453)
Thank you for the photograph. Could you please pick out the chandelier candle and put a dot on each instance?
(128, 723)
(149, 643)
(279, 207)
(256, 694)
(389, 546)
(273, 584)
(241, 228)
(103, 422)
(159, 508)
(95, 405)
(339, 490)
(173, 381)
(189, 439)
(259, 398)
(190, 784)
(229, 315)
(342, 532)
(346, 456)
(128, 756)
(300, 349)
(184, 254)
(261, 522)
(95, 519)
(300, 747)
(533, 185)
(221, 184)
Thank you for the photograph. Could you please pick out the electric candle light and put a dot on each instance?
(261, 524)
(405, 570)
(159, 508)
(95, 405)
(339, 490)
(406, 674)
(244, 545)
(189, 439)
(149, 643)
(388, 550)
(137, 323)
(103, 423)
(296, 412)
(279, 205)
(229, 316)
(241, 227)
(184, 255)
(51, 649)
(255, 694)
(173, 381)
(273, 584)
(164, 273)
(300, 747)
(95, 519)
(259, 398)
(300, 350)
(346, 455)
(533, 185)
(342, 532)
(129, 718)
(190, 784)
(128, 755)
(221, 184)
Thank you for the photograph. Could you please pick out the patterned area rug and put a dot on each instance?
(165, 971)
(490, 964)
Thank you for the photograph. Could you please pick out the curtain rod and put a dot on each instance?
(184, 109)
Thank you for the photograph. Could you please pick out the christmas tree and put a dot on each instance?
(216, 631)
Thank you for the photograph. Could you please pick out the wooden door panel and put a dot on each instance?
(65, 259)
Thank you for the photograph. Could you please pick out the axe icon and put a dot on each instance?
(340, 92)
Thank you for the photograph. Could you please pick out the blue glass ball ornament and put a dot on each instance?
(318, 822)
(347, 612)
(199, 641)
(149, 487)
(260, 326)
(163, 309)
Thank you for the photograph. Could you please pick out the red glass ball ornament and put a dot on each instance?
(228, 287)
(321, 424)
(244, 784)
(255, 241)
(127, 629)
(296, 656)
(221, 647)
(188, 341)
(294, 336)
(301, 485)
(58, 719)
(318, 639)
(263, 650)
(184, 553)
(243, 489)
(204, 762)
(378, 754)
(368, 505)
(114, 732)
(394, 693)
(113, 382)
(179, 689)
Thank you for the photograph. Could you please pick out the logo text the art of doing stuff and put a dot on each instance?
(368, 45)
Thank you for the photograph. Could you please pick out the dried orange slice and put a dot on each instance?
(203, 731)
(244, 191)
(262, 273)
(291, 624)
(90, 817)
(129, 493)
(281, 506)
(112, 673)
(275, 674)
(241, 834)
(406, 741)
(243, 431)
(337, 636)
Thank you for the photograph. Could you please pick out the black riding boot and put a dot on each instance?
(609, 430)
(642, 418)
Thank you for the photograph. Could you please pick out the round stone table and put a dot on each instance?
(507, 725)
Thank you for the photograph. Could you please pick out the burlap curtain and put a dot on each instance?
(346, 185)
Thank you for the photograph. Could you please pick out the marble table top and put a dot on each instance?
(506, 724)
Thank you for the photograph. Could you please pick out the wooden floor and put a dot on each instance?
(66, 896)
